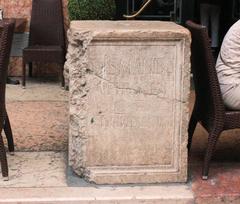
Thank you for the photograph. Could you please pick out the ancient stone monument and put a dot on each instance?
(129, 88)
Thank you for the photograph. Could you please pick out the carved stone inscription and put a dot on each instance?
(132, 104)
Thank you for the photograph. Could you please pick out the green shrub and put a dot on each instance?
(91, 9)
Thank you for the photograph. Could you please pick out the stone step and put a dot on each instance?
(42, 177)
(176, 194)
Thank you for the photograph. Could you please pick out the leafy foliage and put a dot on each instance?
(91, 9)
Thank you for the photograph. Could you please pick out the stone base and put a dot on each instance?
(46, 182)
(40, 178)
(134, 175)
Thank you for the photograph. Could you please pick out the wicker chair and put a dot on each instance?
(209, 108)
(6, 36)
(47, 39)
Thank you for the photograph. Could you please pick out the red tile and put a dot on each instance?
(223, 185)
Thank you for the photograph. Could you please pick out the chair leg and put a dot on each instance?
(24, 74)
(3, 159)
(212, 141)
(9, 135)
(30, 65)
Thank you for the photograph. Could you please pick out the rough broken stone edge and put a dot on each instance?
(76, 70)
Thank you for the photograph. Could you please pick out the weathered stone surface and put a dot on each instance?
(129, 92)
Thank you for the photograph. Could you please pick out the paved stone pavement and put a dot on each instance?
(42, 177)
(36, 169)
(38, 116)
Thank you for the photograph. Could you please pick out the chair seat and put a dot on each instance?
(44, 54)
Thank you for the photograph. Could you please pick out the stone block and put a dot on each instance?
(129, 97)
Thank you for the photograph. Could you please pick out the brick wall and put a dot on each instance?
(22, 9)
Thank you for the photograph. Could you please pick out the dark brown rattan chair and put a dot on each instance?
(208, 109)
(6, 36)
(46, 41)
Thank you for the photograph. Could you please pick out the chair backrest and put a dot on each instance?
(208, 94)
(6, 37)
(47, 26)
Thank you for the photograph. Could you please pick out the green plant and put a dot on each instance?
(91, 9)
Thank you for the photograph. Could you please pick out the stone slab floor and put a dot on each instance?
(39, 173)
